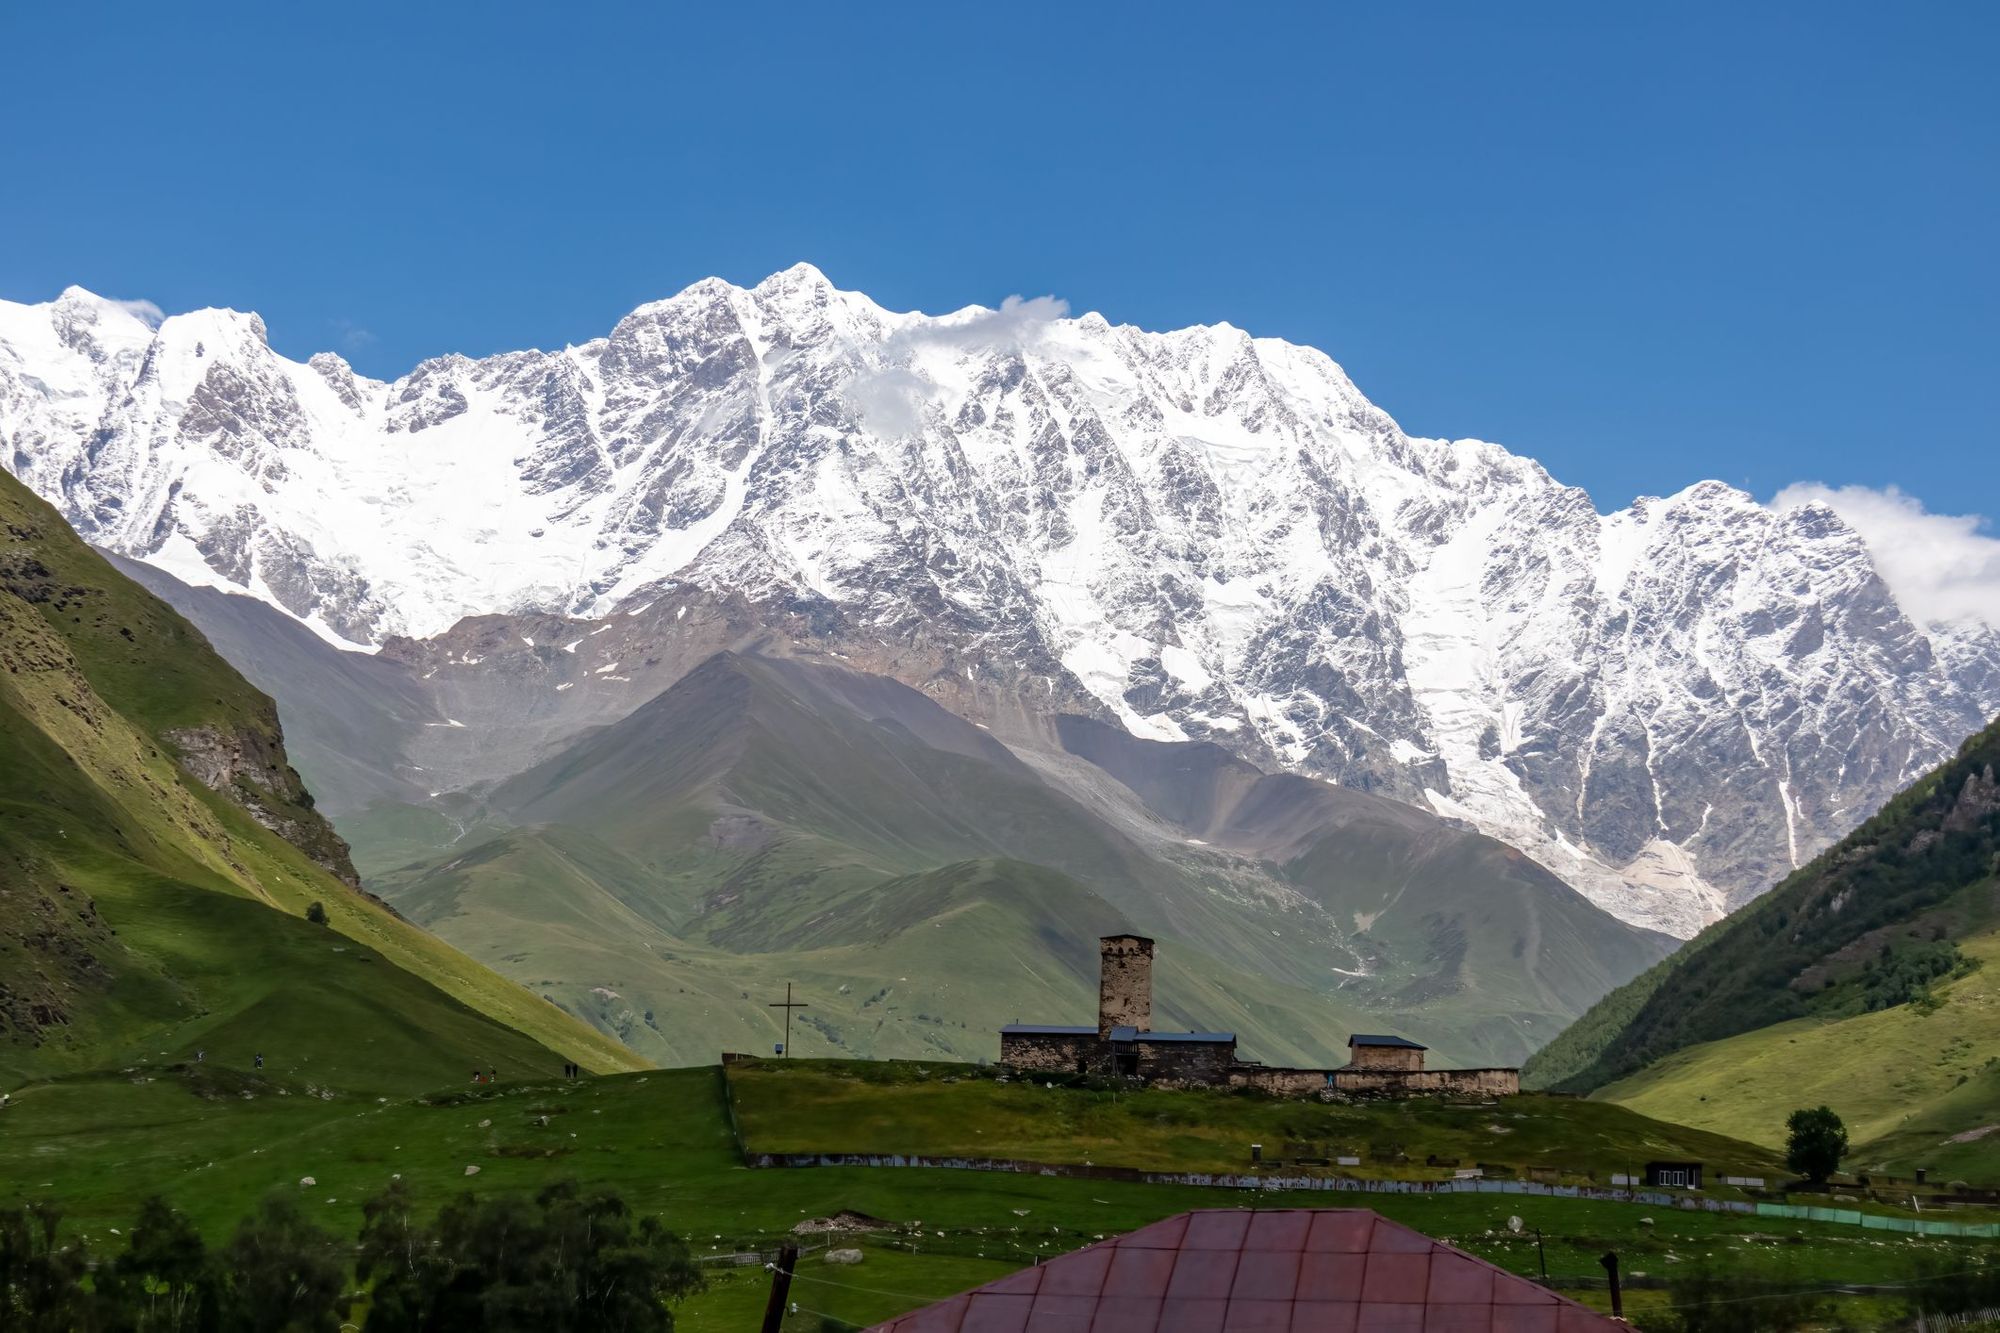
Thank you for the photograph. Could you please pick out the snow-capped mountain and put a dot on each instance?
(1202, 534)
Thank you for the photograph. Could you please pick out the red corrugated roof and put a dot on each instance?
(1319, 1270)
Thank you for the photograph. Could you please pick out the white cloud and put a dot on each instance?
(151, 315)
(1940, 566)
(891, 401)
(353, 338)
(1018, 321)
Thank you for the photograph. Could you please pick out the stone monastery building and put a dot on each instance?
(1124, 1045)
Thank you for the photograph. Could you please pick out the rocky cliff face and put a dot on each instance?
(252, 771)
(1199, 534)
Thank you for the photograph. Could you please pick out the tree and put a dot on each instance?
(41, 1281)
(166, 1279)
(284, 1274)
(607, 1270)
(1816, 1142)
(398, 1253)
(565, 1260)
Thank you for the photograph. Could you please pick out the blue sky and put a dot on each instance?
(1644, 244)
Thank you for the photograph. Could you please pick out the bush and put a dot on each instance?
(316, 913)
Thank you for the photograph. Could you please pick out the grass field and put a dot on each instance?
(903, 1107)
(1912, 1082)
(101, 1143)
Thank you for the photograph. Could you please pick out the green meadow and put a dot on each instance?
(217, 1138)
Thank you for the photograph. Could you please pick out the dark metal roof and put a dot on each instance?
(1046, 1030)
(1229, 1037)
(1277, 1270)
(1374, 1039)
(1134, 1034)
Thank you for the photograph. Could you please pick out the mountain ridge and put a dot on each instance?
(1196, 534)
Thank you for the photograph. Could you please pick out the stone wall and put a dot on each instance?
(1280, 1082)
(1186, 1063)
(1051, 1053)
(1124, 983)
(1385, 1057)
(1427, 1082)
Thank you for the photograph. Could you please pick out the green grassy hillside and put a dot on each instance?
(925, 964)
(1918, 1083)
(158, 855)
(1434, 917)
(1863, 981)
(767, 821)
(100, 1144)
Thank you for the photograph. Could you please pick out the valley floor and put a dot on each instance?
(100, 1143)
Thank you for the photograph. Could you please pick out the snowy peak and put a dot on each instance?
(1199, 533)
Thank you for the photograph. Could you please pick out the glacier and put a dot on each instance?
(1201, 534)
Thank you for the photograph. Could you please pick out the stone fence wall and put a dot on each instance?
(1350, 1185)
(1377, 1082)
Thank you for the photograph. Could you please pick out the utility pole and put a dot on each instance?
(787, 1005)
(781, 1287)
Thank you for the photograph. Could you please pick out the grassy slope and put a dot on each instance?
(1801, 950)
(137, 920)
(101, 1144)
(1446, 924)
(751, 827)
(1905, 1079)
(869, 955)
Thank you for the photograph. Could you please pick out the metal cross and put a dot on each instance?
(788, 1006)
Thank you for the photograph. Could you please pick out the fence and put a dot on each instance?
(1970, 1319)
(729, 1112)
(1348, 1185)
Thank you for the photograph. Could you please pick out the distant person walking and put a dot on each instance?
(259, 1058)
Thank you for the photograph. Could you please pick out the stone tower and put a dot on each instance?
(1124, 983)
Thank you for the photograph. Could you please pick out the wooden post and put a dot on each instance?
(1610, 1262)
(781, 1287)
(1543, 1255)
